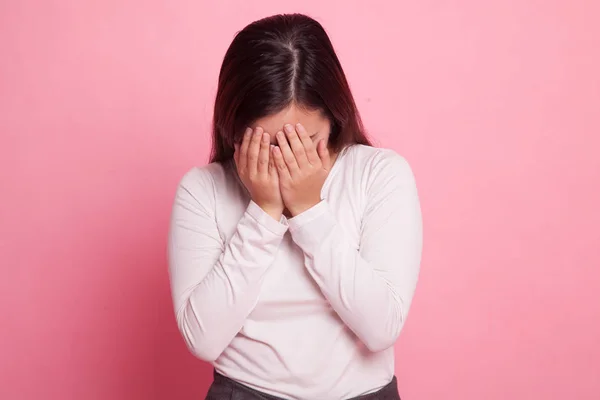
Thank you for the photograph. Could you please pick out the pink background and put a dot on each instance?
(105, 104)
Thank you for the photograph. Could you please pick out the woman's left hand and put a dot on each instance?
(302, 167)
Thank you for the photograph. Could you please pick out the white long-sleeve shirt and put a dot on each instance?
(302, 308)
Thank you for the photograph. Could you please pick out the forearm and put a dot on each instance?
(212, 308)
(217, 306)
(362, 298)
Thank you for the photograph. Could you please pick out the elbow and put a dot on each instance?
(198, 343)
(377, 343)
(202, 349)
(384, 335)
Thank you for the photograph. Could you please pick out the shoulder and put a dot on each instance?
(379, 166)
(200, 182)
(385, 179)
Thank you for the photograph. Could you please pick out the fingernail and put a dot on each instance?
(265, 137)
(288, 128)
(299, 125)
(280, 134)
(248, 131)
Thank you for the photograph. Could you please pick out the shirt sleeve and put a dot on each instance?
(371, 287)
(215, 284)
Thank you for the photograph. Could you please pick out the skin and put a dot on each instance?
(284, 159)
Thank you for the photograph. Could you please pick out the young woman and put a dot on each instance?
(295, 253)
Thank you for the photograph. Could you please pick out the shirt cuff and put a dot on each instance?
(309, 227)
(265, 220)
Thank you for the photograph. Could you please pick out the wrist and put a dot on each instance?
(300, 208)
(274, 211)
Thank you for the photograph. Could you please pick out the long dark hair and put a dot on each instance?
(273, 63)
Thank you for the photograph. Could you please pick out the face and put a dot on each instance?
(317, 125)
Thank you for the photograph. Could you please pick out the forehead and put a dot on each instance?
(313, 121)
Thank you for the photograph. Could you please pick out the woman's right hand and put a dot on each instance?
(257, 171)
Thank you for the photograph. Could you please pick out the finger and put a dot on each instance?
(253, 150)
(309, 146)
(324, 155)
(263, 155)
(280, 164)
(236, 153)
(243, 156)
(272, 168)
(296, 145)
(287, 154)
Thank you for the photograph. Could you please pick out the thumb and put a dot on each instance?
(323, 152)
(236, 152)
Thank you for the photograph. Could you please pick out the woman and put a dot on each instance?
(295, 253)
